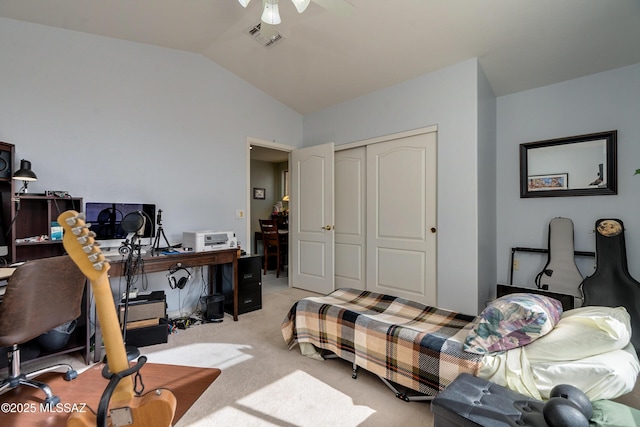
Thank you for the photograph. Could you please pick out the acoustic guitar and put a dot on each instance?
(155, 408)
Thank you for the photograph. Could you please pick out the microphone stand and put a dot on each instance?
(129, 271)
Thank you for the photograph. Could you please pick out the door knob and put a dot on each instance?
(327, 227)
(433, 229)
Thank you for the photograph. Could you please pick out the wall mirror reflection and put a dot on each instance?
(581, 165)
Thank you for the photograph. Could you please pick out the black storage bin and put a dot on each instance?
(213, 310)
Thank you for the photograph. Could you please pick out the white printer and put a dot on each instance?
(201, 241)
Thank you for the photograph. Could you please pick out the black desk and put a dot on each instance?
(156, 262)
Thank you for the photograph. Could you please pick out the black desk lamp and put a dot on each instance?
(25, 174)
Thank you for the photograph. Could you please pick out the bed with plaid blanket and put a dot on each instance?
(410, 344)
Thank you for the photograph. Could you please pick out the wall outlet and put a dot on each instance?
(239, 213)
(516, 265)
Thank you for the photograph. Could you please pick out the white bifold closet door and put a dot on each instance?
(401, 218)
(384, 201)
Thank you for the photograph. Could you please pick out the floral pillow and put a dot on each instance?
(512, 321)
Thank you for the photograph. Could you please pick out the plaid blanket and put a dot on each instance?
(410, 344)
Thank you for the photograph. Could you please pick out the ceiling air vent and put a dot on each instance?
(266, 40)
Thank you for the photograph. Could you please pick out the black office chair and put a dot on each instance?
(40, 296)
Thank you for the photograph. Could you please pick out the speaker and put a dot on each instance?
(213, 307)
(5, 164)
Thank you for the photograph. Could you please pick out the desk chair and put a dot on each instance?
(271, 243)
(41, 295)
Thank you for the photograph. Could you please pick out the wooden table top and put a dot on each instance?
(21, 406)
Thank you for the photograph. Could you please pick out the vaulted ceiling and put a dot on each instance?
(324, 58)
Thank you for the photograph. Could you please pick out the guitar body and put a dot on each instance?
(154, 409)
(611, 284)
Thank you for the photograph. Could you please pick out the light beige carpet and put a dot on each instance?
(265, 384)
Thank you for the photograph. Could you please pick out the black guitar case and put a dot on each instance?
(611, 284)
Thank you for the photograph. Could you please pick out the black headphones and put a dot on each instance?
(567, 406)
(182, 281)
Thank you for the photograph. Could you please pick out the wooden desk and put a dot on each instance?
(186, 383)
(156, 262)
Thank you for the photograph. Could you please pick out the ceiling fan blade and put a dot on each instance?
(339, 7)
(301, 5)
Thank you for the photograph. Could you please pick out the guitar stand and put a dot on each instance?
(114, 379)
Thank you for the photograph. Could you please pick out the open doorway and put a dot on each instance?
(268, 191)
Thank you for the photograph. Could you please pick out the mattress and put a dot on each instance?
(410, 344)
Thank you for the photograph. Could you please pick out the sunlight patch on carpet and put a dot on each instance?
(232, 417)
(296, 399)
(203, 355)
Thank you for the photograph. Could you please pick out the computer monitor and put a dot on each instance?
(106, 222)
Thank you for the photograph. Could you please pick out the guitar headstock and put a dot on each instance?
(80, 245)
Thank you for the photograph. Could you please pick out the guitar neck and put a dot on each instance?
(113, 342)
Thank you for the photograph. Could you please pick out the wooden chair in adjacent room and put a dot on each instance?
(271, 244)
(41, 295)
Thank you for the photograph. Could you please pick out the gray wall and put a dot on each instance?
(263, 175)
(486, 186)
(595, 103)
(110, 120)
(450, 99)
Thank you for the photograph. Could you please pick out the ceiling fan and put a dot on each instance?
(271, 13)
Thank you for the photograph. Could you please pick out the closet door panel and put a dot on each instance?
(407, 264)
(350, 166)
(401, 217)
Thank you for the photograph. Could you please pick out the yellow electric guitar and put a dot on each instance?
(154, 409)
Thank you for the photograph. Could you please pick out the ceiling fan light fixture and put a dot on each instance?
(244, 3)
(271, 13)
(301, 5)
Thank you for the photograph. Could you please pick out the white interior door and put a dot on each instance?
(350, 210)
(311, 218)
(401, 217)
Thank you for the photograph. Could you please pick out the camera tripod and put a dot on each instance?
(160, 232)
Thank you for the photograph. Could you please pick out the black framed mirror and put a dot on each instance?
(584, 165)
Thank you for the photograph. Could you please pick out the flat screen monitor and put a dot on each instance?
(106, 221)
